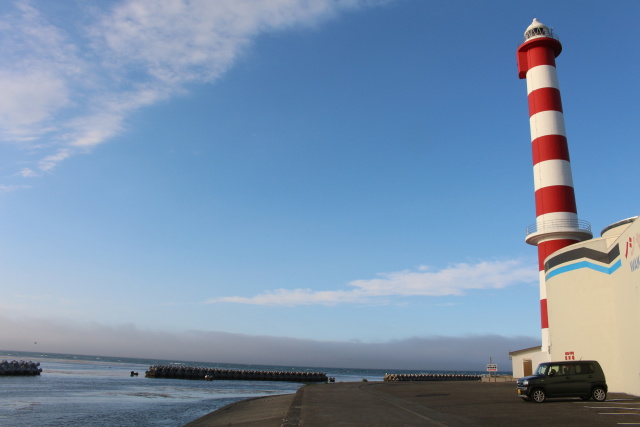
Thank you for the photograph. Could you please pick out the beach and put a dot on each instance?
(419, 404)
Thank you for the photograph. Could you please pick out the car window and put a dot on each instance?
(567, 370)
(553, 370)
(542, 369)
(584, 368)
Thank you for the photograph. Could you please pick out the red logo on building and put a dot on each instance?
(630, 247)
(569, 355)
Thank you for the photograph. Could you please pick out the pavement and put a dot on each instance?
(419, 403)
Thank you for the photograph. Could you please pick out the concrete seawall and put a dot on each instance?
(20, 367)
(432, 377)
(199, 373)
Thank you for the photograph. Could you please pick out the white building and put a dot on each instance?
(593, 300)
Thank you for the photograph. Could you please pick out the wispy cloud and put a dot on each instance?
(48, 298)
(67, 90)
(456, 279)
(37, 65)
(9, 188)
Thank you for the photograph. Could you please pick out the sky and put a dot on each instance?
(314, 182)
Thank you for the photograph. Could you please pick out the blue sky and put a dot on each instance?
(342, 174)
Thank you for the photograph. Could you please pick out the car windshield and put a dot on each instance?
(542, 368)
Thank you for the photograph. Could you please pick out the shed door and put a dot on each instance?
(527, 367)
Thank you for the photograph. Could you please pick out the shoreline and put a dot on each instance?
(265, 411)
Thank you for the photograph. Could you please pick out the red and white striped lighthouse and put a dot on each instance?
(557, 224)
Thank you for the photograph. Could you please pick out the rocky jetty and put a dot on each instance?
(19, 367)
(210, 374)
(432, 377)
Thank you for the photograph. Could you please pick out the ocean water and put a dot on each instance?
(89, 391)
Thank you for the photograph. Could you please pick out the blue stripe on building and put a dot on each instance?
(585, 264)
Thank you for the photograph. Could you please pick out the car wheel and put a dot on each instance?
(599, 394)
(538, 395)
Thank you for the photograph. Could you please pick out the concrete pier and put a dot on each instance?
(19, 367)
(432, 377)
(418, 403)
(210, 374)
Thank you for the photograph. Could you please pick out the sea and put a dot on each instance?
(76, 390)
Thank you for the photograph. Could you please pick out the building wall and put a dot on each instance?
(518, 358)
(594, 304)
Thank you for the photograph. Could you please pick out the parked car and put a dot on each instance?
(576, 378)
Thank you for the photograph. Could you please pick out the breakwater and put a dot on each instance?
(432, 377)
(19, 367)
(210, 374)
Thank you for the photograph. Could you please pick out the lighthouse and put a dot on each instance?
(557, 224)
